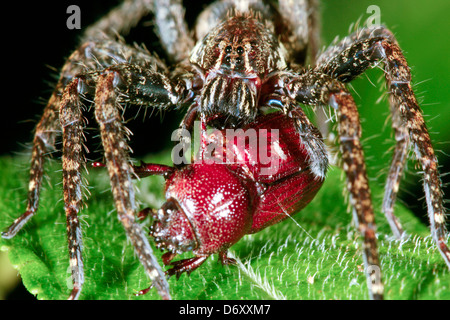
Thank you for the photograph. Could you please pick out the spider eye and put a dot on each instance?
(228, 49)
(240, 50)
(227, 59)
(238, 60)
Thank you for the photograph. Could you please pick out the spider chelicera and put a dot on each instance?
(242, 58)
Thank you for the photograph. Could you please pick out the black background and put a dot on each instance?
(35, 44)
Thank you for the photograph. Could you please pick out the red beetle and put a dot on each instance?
(212, 203)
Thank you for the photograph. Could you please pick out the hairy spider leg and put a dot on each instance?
(63, 111)
(302, 37)
(312, 140)
(43, 144)
(399, 157)
(135, 85)
(302, 40)
(172, 29)
(310, 136)
(142, 171)
(357, 53)
(120, 20)
(114, 144)
(46, 132)
(90, 56)
(315, 88)
(169, 22)
(73, 161)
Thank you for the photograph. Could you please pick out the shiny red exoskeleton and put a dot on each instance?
(213, 204)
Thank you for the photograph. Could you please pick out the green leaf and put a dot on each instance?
(315, 256)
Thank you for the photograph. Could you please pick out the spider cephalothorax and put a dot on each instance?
(250, 56)
(233, 60)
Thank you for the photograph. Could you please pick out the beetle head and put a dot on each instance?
(208, 208)
(171, 228)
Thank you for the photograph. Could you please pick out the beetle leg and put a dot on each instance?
(144, 169)
(150, 169)
(225, 260)
(178, 267)
(168, 257)
(185, 265)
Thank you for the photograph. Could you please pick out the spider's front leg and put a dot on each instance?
(108, 83)
(114, 137)
(315, 88)
(63, 111)
(348, 59)
(311, 137)
(139, 86)
(73, 162)
(90, 56)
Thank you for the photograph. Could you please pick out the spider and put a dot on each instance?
(242, 58)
